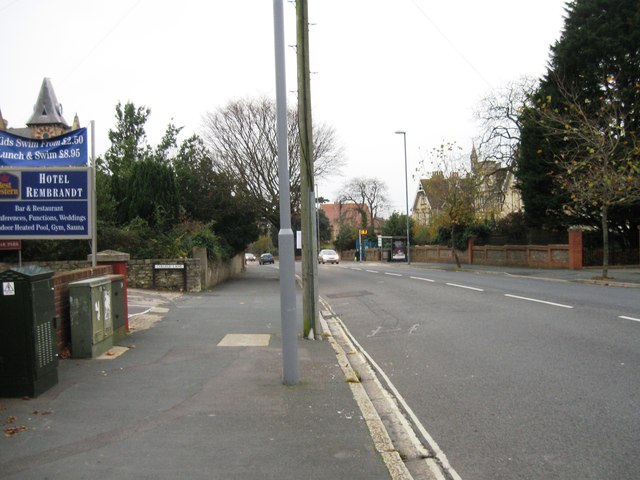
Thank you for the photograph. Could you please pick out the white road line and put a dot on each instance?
(373, 271)
(131, 315)
(430, 442)
(356, 268)
(538, 301)
(423, 279)
(393, 274)
(464, 286)
(629, 318)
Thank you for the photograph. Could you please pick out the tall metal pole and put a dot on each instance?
(307, 195)
(286, 244)
(94, 198)
(406, 193)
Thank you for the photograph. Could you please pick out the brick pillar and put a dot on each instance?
(118, 261)
(575, 248)
(470, 244)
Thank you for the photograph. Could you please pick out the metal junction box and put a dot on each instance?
(28, 360)
(91, 318)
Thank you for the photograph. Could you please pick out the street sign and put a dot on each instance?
(45, 203)
(10, 244)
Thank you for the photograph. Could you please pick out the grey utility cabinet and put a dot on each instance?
(91, 317)
(117, 307)
(28, 359)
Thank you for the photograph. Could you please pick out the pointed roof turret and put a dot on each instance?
(474, 157)
(47, 110)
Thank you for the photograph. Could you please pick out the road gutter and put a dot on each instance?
(405, 456)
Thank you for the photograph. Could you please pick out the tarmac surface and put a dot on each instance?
(195, 391)
(617, 276)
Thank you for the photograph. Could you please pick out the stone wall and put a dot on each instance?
(201, 273)
(149, 274)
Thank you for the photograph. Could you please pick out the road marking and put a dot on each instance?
(629, 318)
(393, 274)
(464, 286)
(131, 315)
(538, 301)
(423, 279)
(373, 271)
(426, 437)
(356, 268)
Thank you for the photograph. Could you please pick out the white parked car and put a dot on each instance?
(328, 256)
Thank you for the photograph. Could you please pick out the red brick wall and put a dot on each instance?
(61, 283)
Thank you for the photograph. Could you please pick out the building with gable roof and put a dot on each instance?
(495, 198)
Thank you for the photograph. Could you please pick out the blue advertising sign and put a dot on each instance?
(45, 204)
(70, 149)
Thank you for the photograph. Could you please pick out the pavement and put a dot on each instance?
(195, 391)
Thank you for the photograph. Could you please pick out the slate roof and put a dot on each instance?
(47, 110)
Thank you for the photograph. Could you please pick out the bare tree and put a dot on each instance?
(242, 139)
(499, 117)
(453, 187)
(369, 192)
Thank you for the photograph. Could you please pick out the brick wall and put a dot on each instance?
(538, 256)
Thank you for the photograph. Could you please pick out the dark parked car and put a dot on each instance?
(266, 258)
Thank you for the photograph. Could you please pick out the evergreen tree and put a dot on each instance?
(396, 226)
(128, 146)
(596, 60)
(153, 195)
(324, 227)
(214, 197)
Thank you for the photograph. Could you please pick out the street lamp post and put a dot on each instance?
(406, 193)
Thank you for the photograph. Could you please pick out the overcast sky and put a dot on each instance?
(378, 66)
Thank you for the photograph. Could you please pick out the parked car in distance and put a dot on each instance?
(328, 256)
(249, 257)
(266, 258)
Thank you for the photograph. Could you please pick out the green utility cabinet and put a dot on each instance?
(28, 360)
(117, 307)
(91, 318)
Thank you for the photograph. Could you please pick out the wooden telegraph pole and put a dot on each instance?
(307, 193)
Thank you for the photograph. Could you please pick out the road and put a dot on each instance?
(514, 378)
